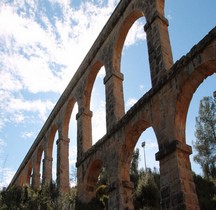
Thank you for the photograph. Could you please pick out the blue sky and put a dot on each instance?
(42, 43)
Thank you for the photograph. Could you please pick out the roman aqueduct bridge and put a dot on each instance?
(164, 108)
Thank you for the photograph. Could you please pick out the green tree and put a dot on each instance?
(103, 177)
(29, 198)
(147, 193)
(134, 172)
(48, 196)
(12, 198)
(205, 134)
(102, 195)
(206, 192)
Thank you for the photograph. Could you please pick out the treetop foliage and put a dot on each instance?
(205, 134)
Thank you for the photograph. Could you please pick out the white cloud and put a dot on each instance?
(8, 82)
(102, 72)
(27, 135)
(1, 123)
(136, 33)
(141, 87)
(6, 175)
(18, 109)
(144, 88)
(169, 17)
(2, 145)
(152, 145)
(18, 117)
(20, 30)
(38, 106)
(130, 102)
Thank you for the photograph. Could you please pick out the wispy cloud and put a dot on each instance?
(151, 145)
(169, 16)
(136, 33)
(130, 102)
(2, 145)
(38, 106)
(6, 174)
(27, 135)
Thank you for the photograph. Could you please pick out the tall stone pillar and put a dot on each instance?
(81, 189)
(120, 188)
(159, 49)
(84, 142)
(120, 195)
(36, 173)
(114, 98)
(84, 131)
(47, 169)
(63, 182)
(177, 185)
(85, 188)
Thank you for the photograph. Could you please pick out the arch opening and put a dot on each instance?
(95, 101)
(131, 58)
(39, 166)
(69, 130)
(29, 174)
(51, 141)
(54, 158)
(188, 88)
(98, 107)
(142, 137)
(206, 88)
(138, 164)
(73, 146)
(97, 183)
(50, 155)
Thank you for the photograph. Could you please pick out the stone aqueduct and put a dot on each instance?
(164, 108)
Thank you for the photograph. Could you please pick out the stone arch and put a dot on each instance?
(123, 31)
(48, 155)
(67, 117)
(131, 137)
(29, 172)
(36, 177)
(90, 83)
(51, 140)
(40, 151)
(84, 116)
(91, 178)
(185, 96)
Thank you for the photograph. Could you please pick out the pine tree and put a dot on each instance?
(147, 193)
(205, 134)
(134, 172)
